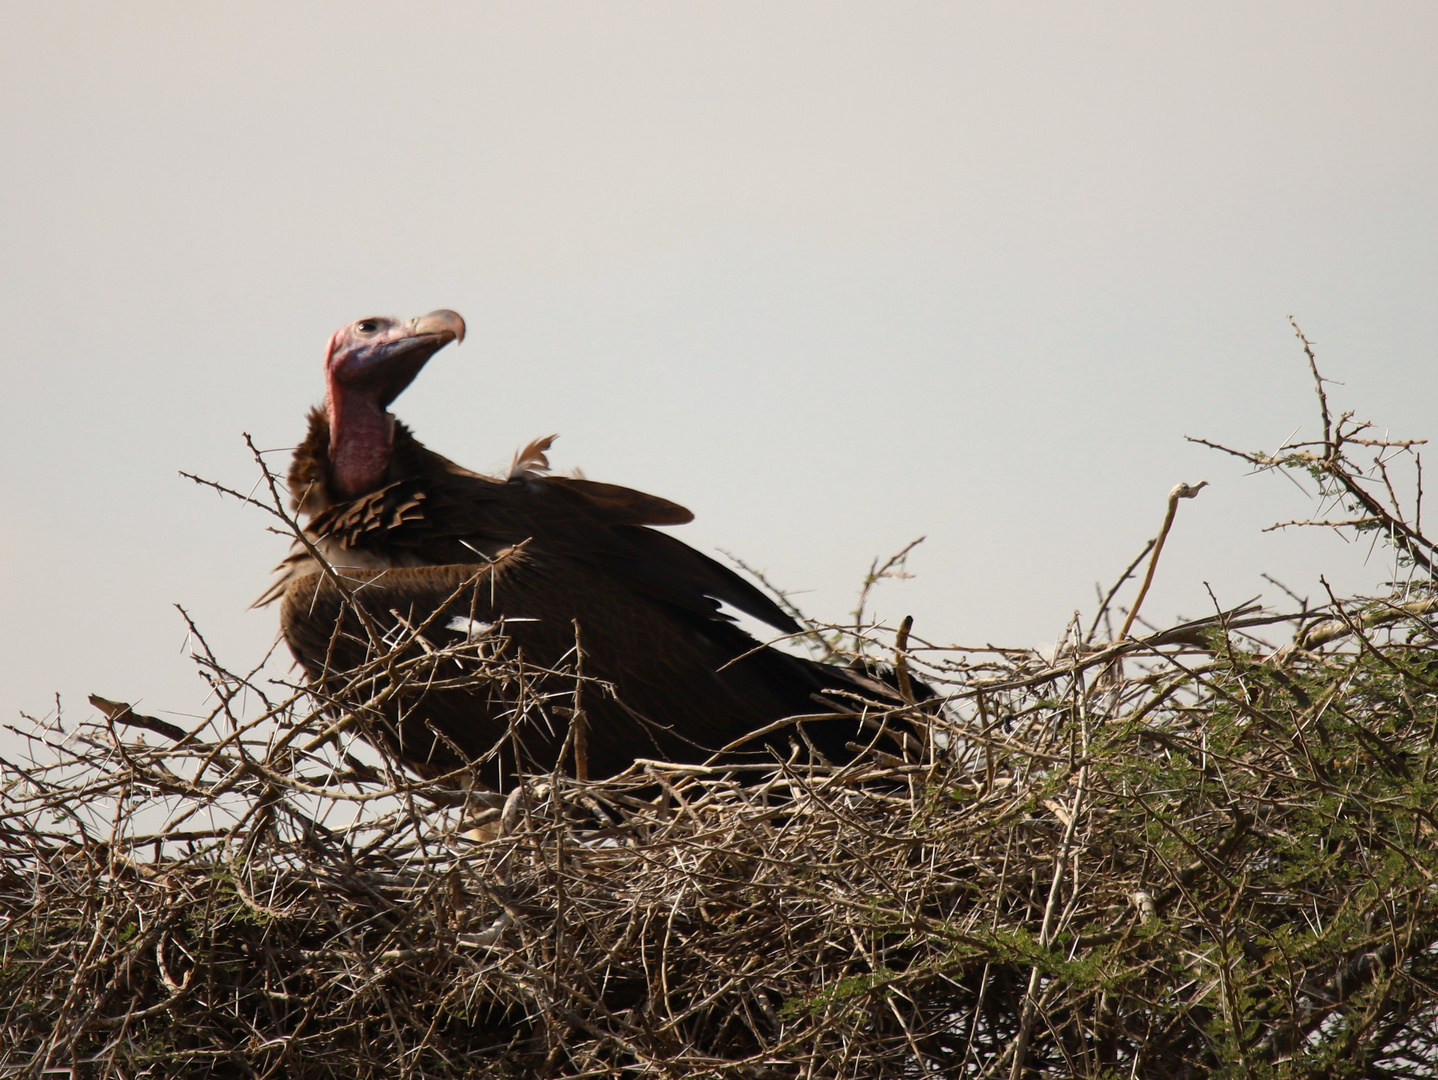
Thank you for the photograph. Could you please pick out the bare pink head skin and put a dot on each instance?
(367, 365)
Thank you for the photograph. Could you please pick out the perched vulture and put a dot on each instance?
(540, 564)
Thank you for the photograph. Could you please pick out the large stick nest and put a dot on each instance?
(1190, 854)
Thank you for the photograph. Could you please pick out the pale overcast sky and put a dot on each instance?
(833, 275)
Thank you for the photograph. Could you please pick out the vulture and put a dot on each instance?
(560, 575)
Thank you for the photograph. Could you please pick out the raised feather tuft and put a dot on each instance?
(531, 462)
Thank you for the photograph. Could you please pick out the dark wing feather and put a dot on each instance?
(435, 512)
(622, 505)
(677, 691)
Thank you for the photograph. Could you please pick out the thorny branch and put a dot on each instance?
(1345, 481)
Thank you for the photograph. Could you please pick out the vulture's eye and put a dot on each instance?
(367, 326)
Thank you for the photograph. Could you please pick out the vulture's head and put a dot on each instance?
(367, 365)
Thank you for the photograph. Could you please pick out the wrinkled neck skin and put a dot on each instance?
(361, 442)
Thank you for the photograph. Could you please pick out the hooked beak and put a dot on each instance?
(445, 324)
